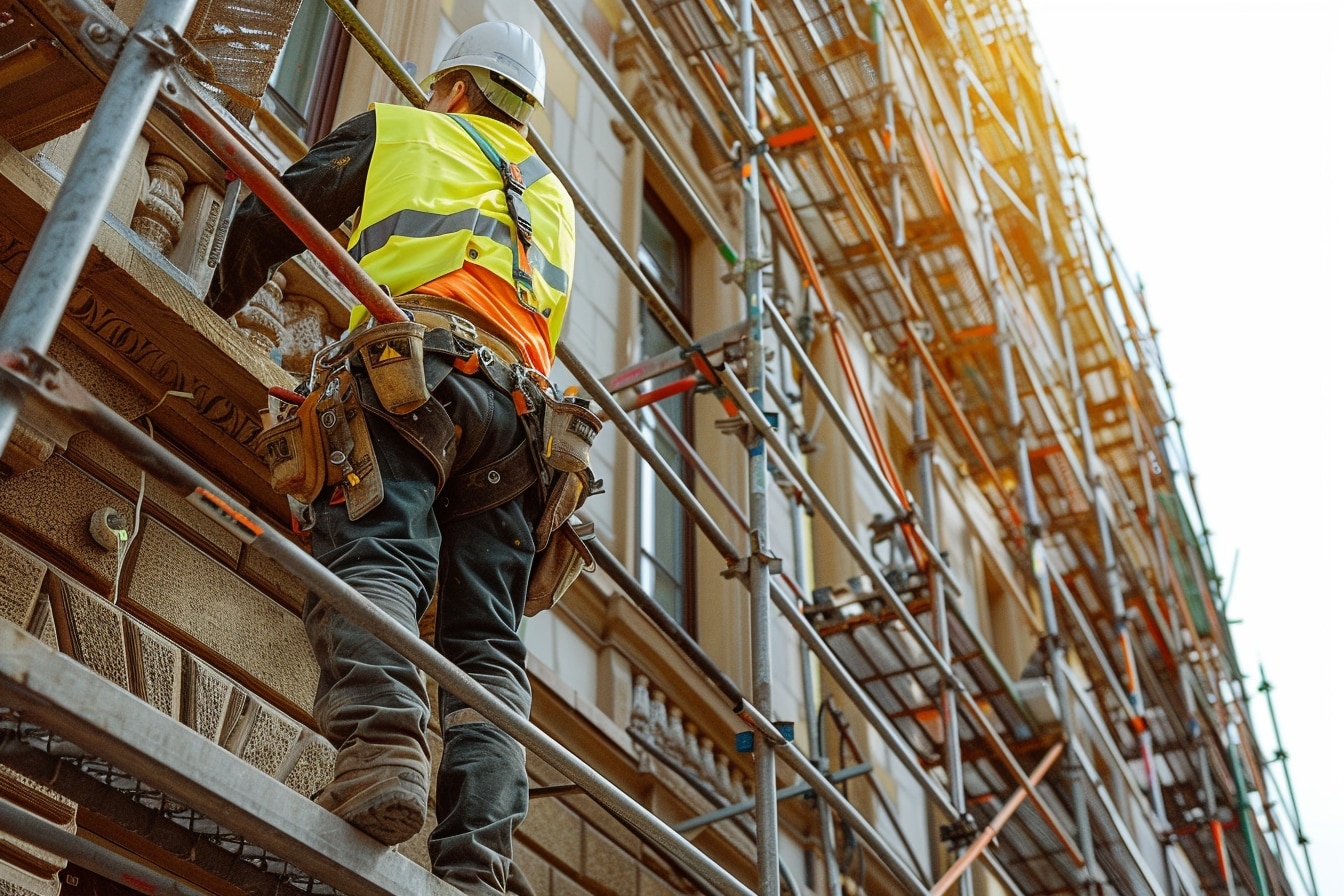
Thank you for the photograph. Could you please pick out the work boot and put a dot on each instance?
(381, 789)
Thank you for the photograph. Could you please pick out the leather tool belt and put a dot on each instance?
(460, 320)
(390, 371)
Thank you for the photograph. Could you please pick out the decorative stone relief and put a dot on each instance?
(158, 217)
(157, 669)
(26, 450)
(164, 365)
(128, 653)
(205, 600)
(680, 743)
(261, 319)
(47, 631)
(269, 739)
(306, 326)
(208, 694)
(290, 328)
(95, 634)
(20, 583)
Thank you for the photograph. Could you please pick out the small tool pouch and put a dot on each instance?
(568, 429)
(393, 356)
(293, 452)
(556, 568)
(325, 441)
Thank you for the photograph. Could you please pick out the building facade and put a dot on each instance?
(892, 457)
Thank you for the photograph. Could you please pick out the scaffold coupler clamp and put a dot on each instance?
(740, 568)
(695, 353)
(745, 741)
(960, 833)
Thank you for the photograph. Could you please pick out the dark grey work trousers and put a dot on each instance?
(394, 556)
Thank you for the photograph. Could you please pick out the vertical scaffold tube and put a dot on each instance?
(1072, 767)
(923, 444)
(816, 737)
(1138, 718)
(758, 569)
(947, 697)
(1040, 570)
(43, 287)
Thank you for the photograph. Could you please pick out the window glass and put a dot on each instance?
(665, 534)
(296, 71)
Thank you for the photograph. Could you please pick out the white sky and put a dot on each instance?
(1213, 134)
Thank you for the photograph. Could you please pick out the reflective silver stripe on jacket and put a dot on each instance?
(421, 224)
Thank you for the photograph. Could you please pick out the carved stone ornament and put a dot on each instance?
(158, 217)
(261, 319)
(665, 725)
(306, 333)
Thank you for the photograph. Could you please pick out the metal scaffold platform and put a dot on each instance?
(63, 722)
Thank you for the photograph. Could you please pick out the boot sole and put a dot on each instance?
(390, 817)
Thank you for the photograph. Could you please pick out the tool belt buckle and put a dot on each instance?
(463, 329)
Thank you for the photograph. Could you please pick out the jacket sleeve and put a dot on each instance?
(328, 181)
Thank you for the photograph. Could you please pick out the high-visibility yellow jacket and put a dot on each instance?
(433, 202)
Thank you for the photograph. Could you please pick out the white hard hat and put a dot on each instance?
(506, 63)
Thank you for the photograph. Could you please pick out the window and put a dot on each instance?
(307, 77)
(665, 536)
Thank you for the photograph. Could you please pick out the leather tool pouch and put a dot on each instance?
(393, 356)
(556, 568)
(568, 430)
(325, 441)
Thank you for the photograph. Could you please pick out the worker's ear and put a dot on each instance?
(457, 97)
(439, 101)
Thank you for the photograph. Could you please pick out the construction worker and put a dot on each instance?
(441, 230)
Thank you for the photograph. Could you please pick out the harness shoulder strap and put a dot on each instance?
(514, 185)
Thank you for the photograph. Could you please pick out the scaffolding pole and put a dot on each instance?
(1017, 427)
(610, 564)
(958, 870)
(760, 558)
(1281, 757)
(947, 695)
